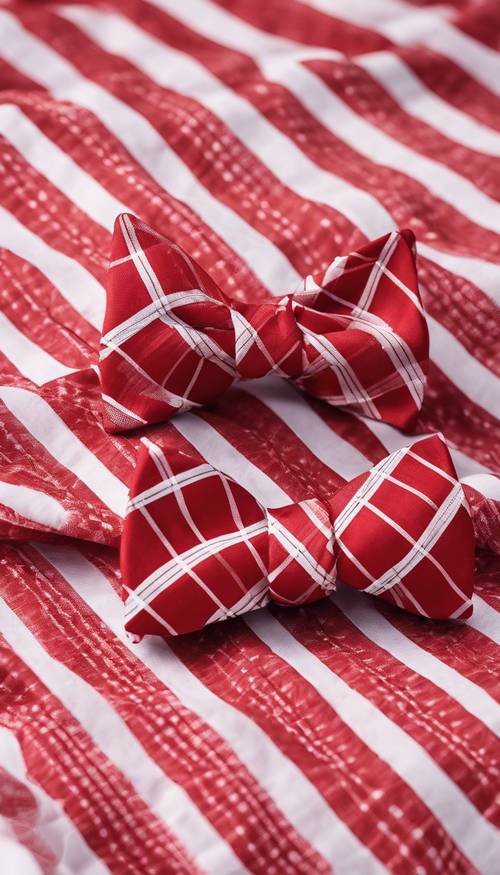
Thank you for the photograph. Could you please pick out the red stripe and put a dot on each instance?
(433, 221)
(464, 310)
(69, 630)
(453, 84)
(481, 22)
(77, 401)
(37, 310)
(369, 99)
(398, 193)
(465, 424)
(363, 790)
(266, 441)
(360, 91)
(22, 280)
(420, 708)
(62, 758)
(19, 807)
(29, 464)
(439, 73)
(83, 138)
(308, 25)
(461, 647)
(46, 211)
(488, 579)
(234, 176)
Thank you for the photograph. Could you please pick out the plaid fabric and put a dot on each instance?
(198, 548)
(354, 335)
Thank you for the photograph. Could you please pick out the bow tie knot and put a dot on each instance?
(302, 562)
(197, 547)
(267, 340)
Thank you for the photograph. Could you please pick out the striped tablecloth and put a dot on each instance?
(265, 138)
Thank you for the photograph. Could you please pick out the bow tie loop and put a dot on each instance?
(197, 547)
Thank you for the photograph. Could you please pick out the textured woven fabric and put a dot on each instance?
(265, 139)
(198, 548)
(354, 336)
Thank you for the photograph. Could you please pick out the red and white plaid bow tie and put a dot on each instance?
(198, 548)
(354, 336)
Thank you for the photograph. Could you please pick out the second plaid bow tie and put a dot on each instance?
(354, 336)
(198, 548)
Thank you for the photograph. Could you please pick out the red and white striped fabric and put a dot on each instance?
(354, 336)
(198, 548)
(264, 139)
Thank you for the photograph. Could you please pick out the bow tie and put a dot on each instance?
(198, 548)
(354, 336)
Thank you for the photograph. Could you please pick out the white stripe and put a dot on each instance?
(39, 151)
(141, 318)
(167, 800)
(169, 485)
(284, 401)
(486, 484)
(463, 369)
(183, 563)
(16, 855)
(30, 359)
(385, 66)
(377, 12)
(39, 507)
(466, 467)
(340, 455)
(42, 64)
(476, 58)
(476, 837)
(223, 456)
(48, 428)
(408, 25)
(75, 284)
(483, 274)
(485, 619)
(55, 828)
(416, 99)
(172, 68)
(472, 697)
(287, 786)
(233, 32)
(377, 146)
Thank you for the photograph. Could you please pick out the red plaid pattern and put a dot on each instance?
(356, 336)
(198, 548)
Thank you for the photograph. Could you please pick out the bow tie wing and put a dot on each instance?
(404, 533)
(365, 338)
(194, 545)
(168, 340)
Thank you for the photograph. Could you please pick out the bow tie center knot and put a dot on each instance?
(302, 562)
(267, 340)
